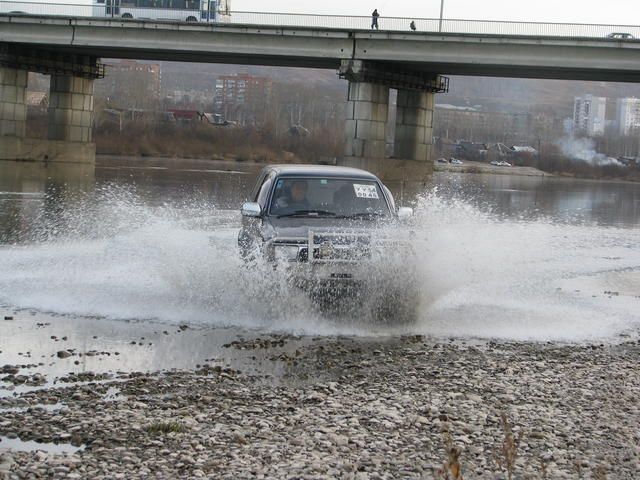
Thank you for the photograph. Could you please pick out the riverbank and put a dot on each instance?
(247, 144)
(487, 168)
(275, 406)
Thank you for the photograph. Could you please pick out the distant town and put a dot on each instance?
(267, 114)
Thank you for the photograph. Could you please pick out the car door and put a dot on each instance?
(250, 235)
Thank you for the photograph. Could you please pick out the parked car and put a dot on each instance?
(455, 161)
(495, 163)
(325, 229)
(504, 164)
(442, 160)
(620, 36)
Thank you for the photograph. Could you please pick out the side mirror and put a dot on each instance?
(251, 209)
(404, 213)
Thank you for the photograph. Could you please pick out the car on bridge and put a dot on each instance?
(620, 36)
(334, 232)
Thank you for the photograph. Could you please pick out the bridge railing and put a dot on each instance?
(434, 25)
(121, 8)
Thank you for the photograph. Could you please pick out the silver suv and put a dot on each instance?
(330, 230)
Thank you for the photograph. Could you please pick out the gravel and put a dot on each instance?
(408, 407)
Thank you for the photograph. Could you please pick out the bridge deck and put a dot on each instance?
(445, 53)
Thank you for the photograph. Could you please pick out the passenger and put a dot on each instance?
(343, 200)
(412, 25)
(374, 19)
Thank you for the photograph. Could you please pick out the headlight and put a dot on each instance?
(285, 253)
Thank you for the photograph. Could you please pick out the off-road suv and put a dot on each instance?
(328, 229)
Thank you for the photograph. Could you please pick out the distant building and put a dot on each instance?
(37, 102)
(589, 115)
(471, 150)
(628, 116)
(473, 124)
(189, 99)
(130, 83)
(243, 97)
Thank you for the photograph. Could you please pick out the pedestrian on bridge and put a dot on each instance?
(374, 19)
(412, 25)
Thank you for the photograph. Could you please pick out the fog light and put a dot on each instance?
(326, 250)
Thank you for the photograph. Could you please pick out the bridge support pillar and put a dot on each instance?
(367, 112)
(367, 117)
(71, 108)
(13, 107)
(414, 125)
(70, 105)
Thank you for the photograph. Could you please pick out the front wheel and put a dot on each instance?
(128, 16)
(396, 307)
(192, 19)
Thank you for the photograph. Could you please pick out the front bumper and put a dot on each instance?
(339, 260)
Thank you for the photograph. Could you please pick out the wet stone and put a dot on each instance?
(343, 412)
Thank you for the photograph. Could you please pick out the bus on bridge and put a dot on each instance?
(175, 10)
(168, 10)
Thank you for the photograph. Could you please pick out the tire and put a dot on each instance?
(127, 16)
(192, 19)
(396, 308)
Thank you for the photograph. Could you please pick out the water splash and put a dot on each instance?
(109, 254)
(521, 279)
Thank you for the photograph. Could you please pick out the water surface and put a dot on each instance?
(525, 258)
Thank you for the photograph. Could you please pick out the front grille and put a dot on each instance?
(337, 247)
(344, 239)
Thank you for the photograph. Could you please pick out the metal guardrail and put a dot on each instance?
(119, 9)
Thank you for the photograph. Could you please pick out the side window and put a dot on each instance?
(263, 194)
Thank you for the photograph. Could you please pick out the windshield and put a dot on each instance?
(328, 197)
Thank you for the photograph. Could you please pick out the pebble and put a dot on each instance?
(352, 410)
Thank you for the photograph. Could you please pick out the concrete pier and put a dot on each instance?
(13, 108)
(71, 108)
(368, 115)
(367, 112)
(69, 136)
(414, 125)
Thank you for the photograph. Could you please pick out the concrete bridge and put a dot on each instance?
(413, 62)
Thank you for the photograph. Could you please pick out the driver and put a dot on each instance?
(295, 197)
(299, 195)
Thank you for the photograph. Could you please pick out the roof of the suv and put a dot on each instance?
(320, 171)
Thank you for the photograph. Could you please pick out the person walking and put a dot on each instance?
(374, 19)
(412, 25)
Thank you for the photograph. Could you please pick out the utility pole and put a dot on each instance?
(441, 13)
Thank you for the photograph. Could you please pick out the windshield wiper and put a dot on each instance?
(363, 215)
(315, 213)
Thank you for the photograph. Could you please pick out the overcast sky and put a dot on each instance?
(619, 12)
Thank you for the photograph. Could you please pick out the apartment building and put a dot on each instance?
(628, 116)
(589, 115)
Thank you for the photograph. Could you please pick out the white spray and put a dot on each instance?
(478, 275)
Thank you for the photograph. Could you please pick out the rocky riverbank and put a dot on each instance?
(407, 407)
(488, 169)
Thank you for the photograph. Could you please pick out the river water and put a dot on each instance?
(154, 241)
